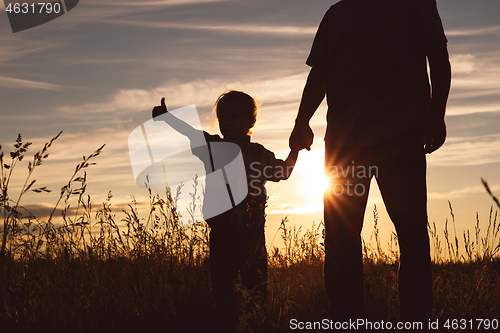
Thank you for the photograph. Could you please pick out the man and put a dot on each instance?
(370, 59)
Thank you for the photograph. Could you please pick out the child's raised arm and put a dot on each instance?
(177, 124)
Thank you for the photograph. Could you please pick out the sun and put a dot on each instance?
(313, 180)
(315, 185)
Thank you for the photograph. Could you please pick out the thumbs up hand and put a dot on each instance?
(159, 110)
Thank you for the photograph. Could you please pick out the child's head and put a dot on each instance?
(236, 112)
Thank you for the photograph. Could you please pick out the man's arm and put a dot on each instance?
(440, 72)
(312, 96)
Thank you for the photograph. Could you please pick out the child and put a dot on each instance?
(237, 242)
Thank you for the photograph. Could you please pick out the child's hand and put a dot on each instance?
(159, 110)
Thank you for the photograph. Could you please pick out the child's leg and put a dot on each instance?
(255, 278)
(224, 276)
(254, 269)
(223, 270)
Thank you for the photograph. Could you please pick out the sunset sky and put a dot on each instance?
(96, 72)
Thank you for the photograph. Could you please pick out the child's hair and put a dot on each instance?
(237, 101)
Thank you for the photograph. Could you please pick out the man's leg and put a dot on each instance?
(345, 204)
(402, 183)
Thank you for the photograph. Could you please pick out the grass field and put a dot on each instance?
(85, 274)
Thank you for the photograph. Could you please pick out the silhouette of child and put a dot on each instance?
(237, 241)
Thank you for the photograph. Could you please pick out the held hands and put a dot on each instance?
(159, 110)
(302, 137)
(434, 135)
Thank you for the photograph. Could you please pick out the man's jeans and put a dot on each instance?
(400, 169)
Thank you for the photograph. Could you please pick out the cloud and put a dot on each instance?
(473, 125)
(15, 47)
(98, 11)
(470, 107)
(453, 194)
(42, 212)
(290, 209)
(478, 84)
(162, 3)
(294, 31)
(200, 92)
(484, 31)
(462, 63)
(11, 83)
(475, 84)
(280, 99)
(468, 151)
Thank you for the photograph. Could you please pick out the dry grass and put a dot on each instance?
(85, 273)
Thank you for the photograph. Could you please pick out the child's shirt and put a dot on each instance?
(260, 166)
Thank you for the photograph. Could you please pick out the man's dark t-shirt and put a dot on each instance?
(374, 52)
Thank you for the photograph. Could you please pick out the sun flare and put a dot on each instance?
(313, 180)
(314, 185)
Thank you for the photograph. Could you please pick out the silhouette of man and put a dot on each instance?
(369, 58)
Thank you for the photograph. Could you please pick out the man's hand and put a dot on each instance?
(435, 135)
(301, 138)
(159, 110)
(435, 127)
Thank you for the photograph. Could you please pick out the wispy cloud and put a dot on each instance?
(462, 63)
(163, 3)
(7, 82)
(280, 98)
(289, 209)
(453, 194)
(200, 92)
(468, 151)
(475, 83)
(471, 107)
(485, 31)
(295, 31)
(15, 47)
(92, 11)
